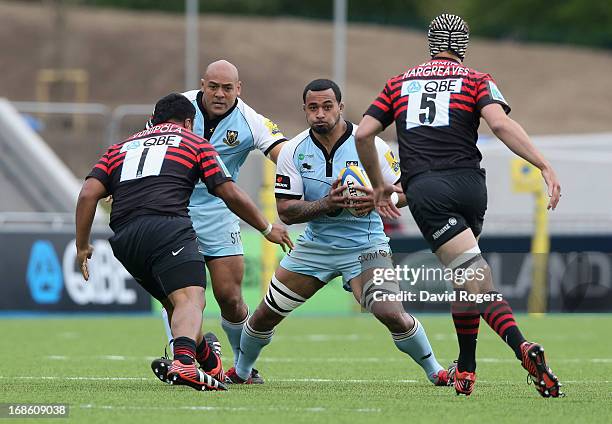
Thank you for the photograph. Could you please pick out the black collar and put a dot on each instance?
(329, 157)
(208, 122)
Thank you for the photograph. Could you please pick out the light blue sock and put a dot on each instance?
(251, 344)
(234, 331)
(415, 343)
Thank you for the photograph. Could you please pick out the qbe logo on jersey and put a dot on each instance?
(144, 157)
(428, 101)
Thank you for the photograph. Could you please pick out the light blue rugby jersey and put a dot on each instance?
(306, 171)
(233, 135)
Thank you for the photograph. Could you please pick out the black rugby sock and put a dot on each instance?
(206, 357)
(466, 318)
(498, 314)
(184, 350)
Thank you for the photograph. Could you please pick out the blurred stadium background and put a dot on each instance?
(78, 75)
(82, 74)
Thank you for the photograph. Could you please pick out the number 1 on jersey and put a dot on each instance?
(145, 158)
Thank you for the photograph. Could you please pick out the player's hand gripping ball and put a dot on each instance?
(354, 176)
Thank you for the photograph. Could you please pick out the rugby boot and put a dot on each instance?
(533, 360)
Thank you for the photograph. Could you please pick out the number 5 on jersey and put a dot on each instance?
(428, 101)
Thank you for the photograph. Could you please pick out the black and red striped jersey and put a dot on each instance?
(154, 172)
(436, 109)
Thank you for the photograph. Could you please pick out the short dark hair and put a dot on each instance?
(173, 107)
(322, 84)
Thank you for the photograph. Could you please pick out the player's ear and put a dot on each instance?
(202, 84)
(188, 124)
(341, 106)
(304, 108)
(238, 87)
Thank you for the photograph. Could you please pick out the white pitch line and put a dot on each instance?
(101, 357)
(354, 337)
(263, 359)
(327, 359)
(329, 380)
(313, 409)
(69, 335)
(324, 338)
(31, 377)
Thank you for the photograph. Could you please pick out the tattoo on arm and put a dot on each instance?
(298, 211)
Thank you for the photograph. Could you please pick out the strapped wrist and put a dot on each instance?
(267, 230)
(395, 198)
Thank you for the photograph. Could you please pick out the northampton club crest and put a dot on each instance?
(231, 138)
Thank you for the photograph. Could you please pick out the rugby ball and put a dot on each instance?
(353, 176)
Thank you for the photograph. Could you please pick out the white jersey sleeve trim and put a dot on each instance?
(288, 179)
(389, 165)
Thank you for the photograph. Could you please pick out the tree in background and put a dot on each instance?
(585, 22)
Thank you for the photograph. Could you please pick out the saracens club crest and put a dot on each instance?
(231, 138)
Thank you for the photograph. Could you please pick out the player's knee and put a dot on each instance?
(471, 271)
(230, 303)
(192, 295)
(396, 321)
(280, 299)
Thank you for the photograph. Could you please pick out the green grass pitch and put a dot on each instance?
(325, 369)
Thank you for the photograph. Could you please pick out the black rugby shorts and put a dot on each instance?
(161, 253)
(446, 202)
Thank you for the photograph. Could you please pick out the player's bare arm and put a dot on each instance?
(273, 154)
(242, 205)
(369, 128)
(514, 136)
(91, 192)
(366, 204)
(293, 211)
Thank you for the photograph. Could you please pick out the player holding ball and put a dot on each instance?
(344, 236)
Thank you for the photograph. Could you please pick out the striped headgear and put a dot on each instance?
(448, 32)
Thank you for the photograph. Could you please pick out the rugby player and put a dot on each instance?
(335, 242)
(234, 129)
(151, 176)
(436, 107)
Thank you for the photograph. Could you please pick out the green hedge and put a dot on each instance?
(585, 22)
